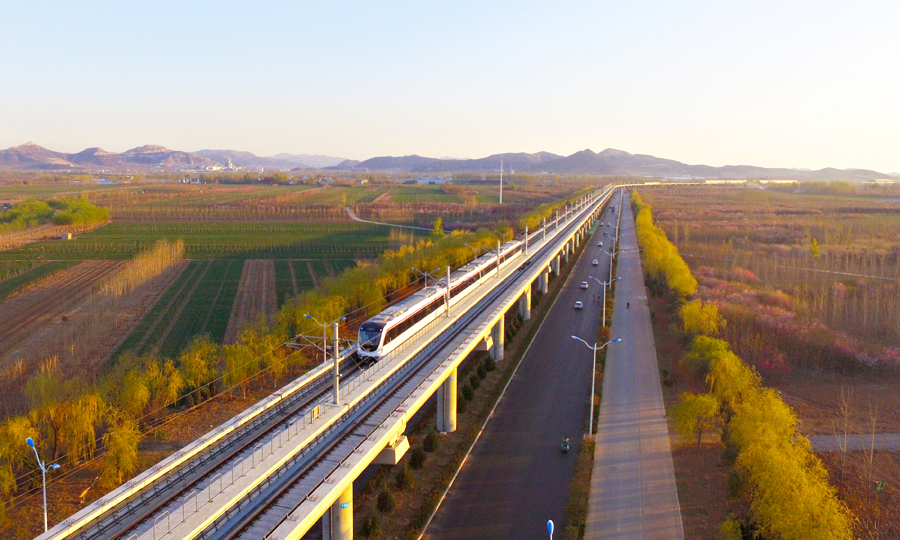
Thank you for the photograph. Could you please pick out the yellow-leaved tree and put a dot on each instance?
(698, 318)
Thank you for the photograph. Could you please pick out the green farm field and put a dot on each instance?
(215, 240)
(304, 273)
(27, 275)
(199, 302)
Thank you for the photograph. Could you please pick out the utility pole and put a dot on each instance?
(498, 259)
(337, 372)
(501, 180)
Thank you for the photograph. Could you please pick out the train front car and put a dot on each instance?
(370, 336)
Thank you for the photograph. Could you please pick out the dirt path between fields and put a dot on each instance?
(293, 278)
(255, 297)
(354, 217)
(312, 274)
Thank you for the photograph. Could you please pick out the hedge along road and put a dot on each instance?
(633, 491)
(516, 478)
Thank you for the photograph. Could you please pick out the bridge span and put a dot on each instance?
(289, 461)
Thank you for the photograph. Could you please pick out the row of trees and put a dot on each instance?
(145, 266)
(662, 262)
(790, 494)
(69, 416)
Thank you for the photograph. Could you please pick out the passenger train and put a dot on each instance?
(386, 331)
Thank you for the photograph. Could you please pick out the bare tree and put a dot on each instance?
(842, 427)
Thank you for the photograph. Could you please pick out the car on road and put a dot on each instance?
(595, 262)
(600, 244)
(579, 304)
(584, 284)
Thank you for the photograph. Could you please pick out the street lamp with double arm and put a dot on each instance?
(594, 348)
(44, 469)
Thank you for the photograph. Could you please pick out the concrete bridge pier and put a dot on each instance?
(525, 304)
(554, 265)
(446, 405)
(497, 336)
(543, 280)
(337, 521)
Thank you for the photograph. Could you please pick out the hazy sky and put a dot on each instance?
(772, 83)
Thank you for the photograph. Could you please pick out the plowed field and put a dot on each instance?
(25, 313)
(64, 316)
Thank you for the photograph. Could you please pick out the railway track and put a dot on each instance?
(119, 521)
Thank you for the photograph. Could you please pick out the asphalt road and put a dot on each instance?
(516, 477)
(633, 492)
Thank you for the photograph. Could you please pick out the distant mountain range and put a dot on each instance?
(607, 163)
(31, 156)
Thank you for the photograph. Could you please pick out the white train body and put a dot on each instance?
(383, 333)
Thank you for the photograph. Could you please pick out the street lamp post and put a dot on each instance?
(611, 254)
(337, 353)
(44, 468)
(604, 283)
(594, 348)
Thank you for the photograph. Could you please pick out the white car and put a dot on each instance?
(584, 284)
(595, 262)
(599, 244)
(579, 305)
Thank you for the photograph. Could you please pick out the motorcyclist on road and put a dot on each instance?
(627, 305)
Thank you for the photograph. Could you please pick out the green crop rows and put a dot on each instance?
(24, 279)
(422, 195)
(10, 269)
(149, 332)
(199, 302)
(225, 240)
(208, 309)
(284, 287)
(344, 196)
(304, 278)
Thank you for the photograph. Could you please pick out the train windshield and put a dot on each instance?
(370, 336)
